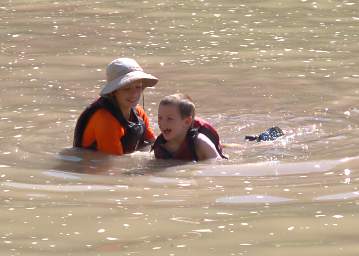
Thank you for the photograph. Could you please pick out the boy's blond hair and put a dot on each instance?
(183, 102)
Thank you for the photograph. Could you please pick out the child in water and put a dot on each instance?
(115, 123)
(184, 136)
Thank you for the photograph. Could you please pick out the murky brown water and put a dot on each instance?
(247, 64)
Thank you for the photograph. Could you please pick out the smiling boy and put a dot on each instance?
(183, 136)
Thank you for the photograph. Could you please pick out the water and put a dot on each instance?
(248, 65)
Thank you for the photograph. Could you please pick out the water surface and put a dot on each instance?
(248, 65)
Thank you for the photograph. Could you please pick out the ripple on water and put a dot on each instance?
(270, 168)
(252, 199)
(173, 181)
(340, 196)
(59, 187)
(61, 174)
(69, 158)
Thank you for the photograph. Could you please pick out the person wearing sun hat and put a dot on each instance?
(115, 123)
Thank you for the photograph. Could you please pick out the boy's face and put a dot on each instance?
(171, 123)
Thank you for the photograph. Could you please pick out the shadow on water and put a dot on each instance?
(82, 161)
(92, 162)
(72, 160)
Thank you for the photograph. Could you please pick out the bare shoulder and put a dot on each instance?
(205, 148)
(204, 140)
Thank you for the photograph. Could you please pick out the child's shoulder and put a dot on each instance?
(203, 139)
(205, 149)
(207, 129)
(198, 121)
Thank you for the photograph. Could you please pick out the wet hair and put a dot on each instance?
(182, 101)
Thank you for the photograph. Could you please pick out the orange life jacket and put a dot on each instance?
(134, 129)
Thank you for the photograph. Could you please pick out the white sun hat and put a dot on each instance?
(123, 71)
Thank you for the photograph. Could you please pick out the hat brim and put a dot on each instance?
(148, 81)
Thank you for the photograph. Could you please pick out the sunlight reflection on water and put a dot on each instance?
(247, 65)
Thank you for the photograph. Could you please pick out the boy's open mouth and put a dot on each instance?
(167, 131)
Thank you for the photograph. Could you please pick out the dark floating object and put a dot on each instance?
(270, 134)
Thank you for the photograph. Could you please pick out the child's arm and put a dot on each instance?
(205, 148)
